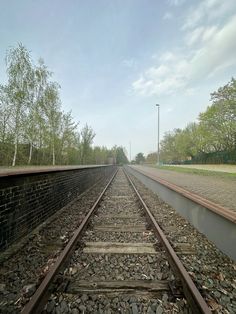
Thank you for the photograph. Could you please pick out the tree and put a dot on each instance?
(101, 155)
(6, 135)
(20, 72)
(188, 141)
(35, 124)
(215, 132)
(5, 114)
(67, 138)
(218, 122)
(33, 128)
(51, 108)
(139, 159)
(169, 149)
(119, 154)
(87, 136)
(151, 158)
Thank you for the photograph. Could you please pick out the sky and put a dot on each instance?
(116, 59)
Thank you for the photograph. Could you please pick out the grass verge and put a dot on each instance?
(201, 172)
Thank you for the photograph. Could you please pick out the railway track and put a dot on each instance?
(118, 261)
(24, 264)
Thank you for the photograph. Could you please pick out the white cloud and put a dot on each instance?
(168, 16)
(177, 71)
(218, 53)
(200, 35)
(208, 11)
(163, 79)
(194, 36)
(209, 33)
(162, 70)
(167, 56)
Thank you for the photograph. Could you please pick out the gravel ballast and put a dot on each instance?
(212, 271)
(119, 208)
(25, 264)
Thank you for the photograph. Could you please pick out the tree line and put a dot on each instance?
(34, 129)
(212, 139)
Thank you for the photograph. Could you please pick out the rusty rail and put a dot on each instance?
(191, 292)
(38, 300)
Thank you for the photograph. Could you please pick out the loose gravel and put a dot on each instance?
(108, 304)
(24, 265)
(119, 201)
(212, 271)
(95, 236)
(119, 267)
(23, 269)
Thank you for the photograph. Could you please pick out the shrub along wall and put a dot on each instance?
(214, 158)
(28, 199)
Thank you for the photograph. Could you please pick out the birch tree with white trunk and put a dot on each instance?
(35, 126)
(51, 108)
(19, 70)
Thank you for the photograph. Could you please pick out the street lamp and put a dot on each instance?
(130, 152)
(158, 134)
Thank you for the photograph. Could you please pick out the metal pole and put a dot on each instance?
(158, 134)
(130, 152)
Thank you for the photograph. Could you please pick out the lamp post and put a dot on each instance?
(158, 134)
(130, 152)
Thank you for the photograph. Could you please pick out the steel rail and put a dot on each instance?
(191, 292)
(39, 299)
(225, 212)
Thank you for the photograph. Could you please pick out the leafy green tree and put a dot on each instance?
(101, 155)
(35, 124)
(218, 122)
(6, 134)
(139, 158)
(215, 132)
(20, 72)
(120, 155)
(151, 158)
(188, 141)
(51, 108)
(87, 136)
(5, 114)
(67, 138)
(169, 148)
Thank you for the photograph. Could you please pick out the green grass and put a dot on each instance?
(197, 171)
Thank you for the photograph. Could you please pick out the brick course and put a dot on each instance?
(27, 199)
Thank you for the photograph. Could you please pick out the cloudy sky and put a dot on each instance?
(115, 59)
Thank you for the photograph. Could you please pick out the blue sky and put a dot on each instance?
(116, 59)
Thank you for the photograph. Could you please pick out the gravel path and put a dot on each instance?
(218, 190)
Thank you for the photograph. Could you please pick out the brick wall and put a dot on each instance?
(27, 199)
